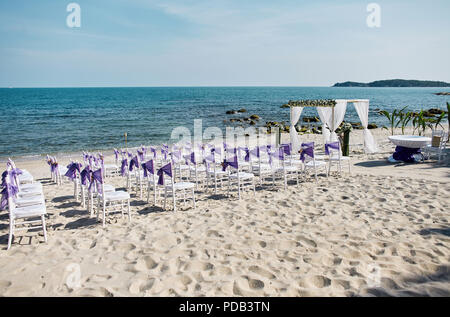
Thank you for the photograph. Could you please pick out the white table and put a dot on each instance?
(408, 147)
(410, 141)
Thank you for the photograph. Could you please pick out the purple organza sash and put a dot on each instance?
(333, 145)
(140, 154)
(216, 150)
(134, 162)
(12, 175)
(233, 163)
(85, 175)
(307, 149)
(153, 150)
(96, 180)
(286, 148)
(72, 170)
(148, 167)
(9, 190)
(165, 169)
(116, 154)
(123, 167)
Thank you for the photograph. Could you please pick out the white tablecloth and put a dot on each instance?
(410, 141)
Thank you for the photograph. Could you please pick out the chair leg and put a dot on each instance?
(193, 197)
(104, 214)
(11, 232)
(154, 195)
(165, 197)
(44, 228)
(174, 201)
(129, 210)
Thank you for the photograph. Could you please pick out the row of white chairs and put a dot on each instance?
(24, 199)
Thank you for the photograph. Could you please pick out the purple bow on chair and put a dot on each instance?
(134, 162)
(153, 150)
(10, 190)
(123, 167)
(332, 145)
(116, 154)
(72, 170)
(140, 154)
(148, 167)
(247, 154)
(85, 175)
(96, 179)
(233, 163)
(165, 169)
(12, 175)
(286, 148)
(307, 149)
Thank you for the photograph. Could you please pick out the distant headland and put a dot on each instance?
(395, 83)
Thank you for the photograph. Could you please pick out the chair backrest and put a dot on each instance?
(166, 169)
(333, 149)
(307, 152)
(442, 138)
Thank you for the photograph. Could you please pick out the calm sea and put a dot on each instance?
(57, 120)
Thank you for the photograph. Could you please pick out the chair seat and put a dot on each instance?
(29, 211)
(315, 163)
(342, 158)
(218, 172)
(109, 188)
(287, 168)
(199, 169)
(25, 178)
(31, 187)
(263, 166)
(115, 196)
(181, 185)
(242, 175)
(29, 200)
(183, 167)
(294, 162)
(111, 167)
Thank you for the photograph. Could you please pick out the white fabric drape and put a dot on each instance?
(295, 116)
(326, 116)
(362, 108)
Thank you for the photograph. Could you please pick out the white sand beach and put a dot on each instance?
(383, 230)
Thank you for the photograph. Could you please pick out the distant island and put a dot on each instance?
(395, 83)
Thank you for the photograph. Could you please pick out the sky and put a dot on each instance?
(221, 42)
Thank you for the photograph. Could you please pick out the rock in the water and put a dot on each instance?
(372, 126)
(442, 93)
(436, 111)
(231, 112)
(254, 117)
(252, 122)
(242, 110)
(310, 119)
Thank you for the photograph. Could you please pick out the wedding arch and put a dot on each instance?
(331, 113)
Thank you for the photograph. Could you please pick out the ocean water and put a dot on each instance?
(37, 121)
